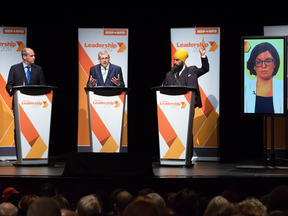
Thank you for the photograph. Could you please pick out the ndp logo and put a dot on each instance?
(111, 45)
(107, 104)
(172, 105)
(35, 104)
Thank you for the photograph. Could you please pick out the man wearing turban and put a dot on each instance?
(187, 76)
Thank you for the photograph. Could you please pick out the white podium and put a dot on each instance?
(106, 106)
(175, 110)
(32, 116)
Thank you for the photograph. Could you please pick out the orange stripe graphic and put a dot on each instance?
(188, 96)
(98, 127)
(84, 59)
(165, 128)
(4, 94)
(49, 96)
(27, 128)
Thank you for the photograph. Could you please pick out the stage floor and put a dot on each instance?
(206, 178)
(200, 170)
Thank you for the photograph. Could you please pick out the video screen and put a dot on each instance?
(264, 76)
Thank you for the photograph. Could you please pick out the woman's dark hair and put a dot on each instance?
(260, 48)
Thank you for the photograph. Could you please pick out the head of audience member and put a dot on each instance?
(158, 199)
(123, 199)
(230, 195)
(166, 211)
(88, 206)
(66, 212)
(145, 192)
(278, 199)
(25, 202)
(186, 202)
(47, 190)
(112, 198)
(277, 213)
(215, 205)
(142, 208)
(44, 206)
(169, 199)
(245, 209)
(227, 210)
(61, 201)
(14, 198)
(8, 209)
(69, 197)
(7, 192)
(143, 198)
(104, 196)
(256, 204)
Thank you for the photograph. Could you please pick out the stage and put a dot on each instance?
(206, 178)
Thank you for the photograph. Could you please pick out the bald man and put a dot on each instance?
(24, 73)
(187, 76)
(18, 73)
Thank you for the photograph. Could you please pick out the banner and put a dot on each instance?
(280, 124)
(206, 119)
(12, 42)
(90, 42)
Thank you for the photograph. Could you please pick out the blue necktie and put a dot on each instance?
(28, 74)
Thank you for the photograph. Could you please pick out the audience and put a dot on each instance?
(123, 199)
(180, 203)
(88, 206)
(44, 206)
(7, 192)
(8, 209)
(24, 204)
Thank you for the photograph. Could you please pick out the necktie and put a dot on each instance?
(28, 74)
(104, 72)
(177, 74)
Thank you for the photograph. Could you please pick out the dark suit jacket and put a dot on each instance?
(113, 71)
(189, 77)
(17, 76)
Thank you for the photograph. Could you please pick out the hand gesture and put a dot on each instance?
(202, 49)
(115, 80)
(92, 81)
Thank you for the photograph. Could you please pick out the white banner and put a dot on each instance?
(12, 42)
(206, 120)
(90, 42)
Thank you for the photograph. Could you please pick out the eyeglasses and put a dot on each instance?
(268, 62)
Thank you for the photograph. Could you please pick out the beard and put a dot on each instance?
(177, 68)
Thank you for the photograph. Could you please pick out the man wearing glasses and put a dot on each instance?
(105, 73)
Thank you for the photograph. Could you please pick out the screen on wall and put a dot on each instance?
(264, 76)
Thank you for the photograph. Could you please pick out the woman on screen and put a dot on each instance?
(264, 93)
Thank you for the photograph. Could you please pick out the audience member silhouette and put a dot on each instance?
(88, 206)
(8, 209)
(44, 206)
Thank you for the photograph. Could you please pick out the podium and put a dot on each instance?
(106, 106)
(175, 110)
(32, 116)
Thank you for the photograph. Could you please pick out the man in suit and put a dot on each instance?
(26, 72)
(105, 73)
(187, 76)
